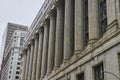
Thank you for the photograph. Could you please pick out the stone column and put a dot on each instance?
(45, 50)
(79, 37)
(93, 21)
(31, 60)
(34, 58)
(51, 48)
(27, 63)
(59, 34)
(39, 57)
(23, 65)
(69, 29)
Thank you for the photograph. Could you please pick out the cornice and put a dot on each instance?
(38, 21)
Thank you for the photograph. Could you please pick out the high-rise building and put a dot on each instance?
(11, 27)
(14, 38)
(73, 40)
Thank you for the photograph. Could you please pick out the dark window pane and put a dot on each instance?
(16, 77)
(86, 34)
(98, 72)
(17, 72)
(103, 16)
(80, 76)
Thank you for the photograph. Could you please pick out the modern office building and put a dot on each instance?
(73, 40)
(11, 63)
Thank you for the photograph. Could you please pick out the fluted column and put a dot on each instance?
(23, 65)
(51, 48)
(31, 60)
(93, 20)
(45, 50)
(39, 57)
(59, 34)
(69, 29)
(27, 63)
(79, 37)
(35, 58)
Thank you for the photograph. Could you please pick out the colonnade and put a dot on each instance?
(60, 36)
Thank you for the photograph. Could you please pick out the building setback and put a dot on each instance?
(14, 37)
(73, 40)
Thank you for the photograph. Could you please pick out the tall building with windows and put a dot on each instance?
(73, 40)
(11, 27)
(11, 63)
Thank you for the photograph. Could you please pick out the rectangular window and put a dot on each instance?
(10, 67)
(98, 72)
(18, 63)
(80, 76)
(86, 33)
(18, 67)
(12, 58)
(16, 77)
(17, 72)
(103, 16)
(10, 72)
(9, 77)
(19, 59)
(21, 41)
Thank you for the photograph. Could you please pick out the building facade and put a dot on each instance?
(73, 40)
(11, 27)
(11, 62)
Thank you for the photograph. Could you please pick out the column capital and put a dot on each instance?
(51, 13)
(31, 41)
(57, 3)
(36, 37)
(41, 29)
(23, 52)
(45, 23)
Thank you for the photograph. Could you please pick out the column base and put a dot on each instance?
(48, 73)
(92, 41)
(77, 51)
(65, 60)
(41, 78)
(56, 67)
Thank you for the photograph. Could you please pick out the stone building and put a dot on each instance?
(73, 40)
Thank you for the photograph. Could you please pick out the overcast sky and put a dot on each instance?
(17, 11)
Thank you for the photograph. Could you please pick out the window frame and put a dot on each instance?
(86, 20)
(98, 65)
(102, 18)
(81, 74)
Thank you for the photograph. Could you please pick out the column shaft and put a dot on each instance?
(27, 63)
(51, 48)
(93, 20)
(59, 35)
(45, 50)
(23, 65)
(69, 29)
(79, 37)
(31, 61)
(34, 58)
(39, 57)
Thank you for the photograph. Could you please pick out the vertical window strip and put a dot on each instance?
(86, 33)
(98, 72)
(103, 16)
